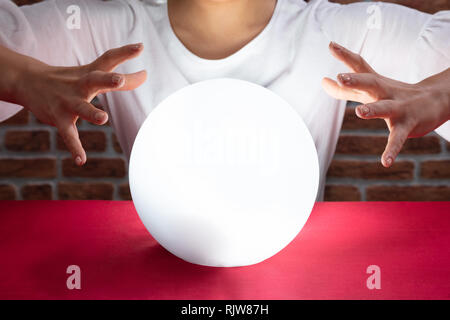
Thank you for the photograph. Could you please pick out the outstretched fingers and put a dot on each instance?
(369, 83)
(69, 133)
(90, 113)
(353, 60)
(396, 140)
(378, 110)
(97, 82)
(341, 92)
(131, 81)
(114, 57)
(360, 87)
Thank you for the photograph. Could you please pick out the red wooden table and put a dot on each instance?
(410, 242)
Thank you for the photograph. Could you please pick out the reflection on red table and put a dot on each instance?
(410, 242)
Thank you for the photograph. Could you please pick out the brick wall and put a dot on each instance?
(35, 165)
(422, 171)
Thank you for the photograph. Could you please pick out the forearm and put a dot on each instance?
(439, 85)
(14, 67)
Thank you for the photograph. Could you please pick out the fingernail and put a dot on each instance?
(389, 161)
(345, 78)
(117, 80)
(137, 46)
(99, 116)
(336, 46)
(364, 110)
(78, 161)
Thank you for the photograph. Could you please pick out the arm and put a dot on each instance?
(406, 47)
(59, 95)
(410, 110)
(10, 74)
(48, 32)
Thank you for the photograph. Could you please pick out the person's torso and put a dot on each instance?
(290, 57)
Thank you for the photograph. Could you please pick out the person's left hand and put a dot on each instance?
(410, 110)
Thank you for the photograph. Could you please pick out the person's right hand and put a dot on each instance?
(58, 96)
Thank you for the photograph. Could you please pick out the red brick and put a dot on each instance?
(342, 193)
(78, 123)
(37, 192)
(124, 191)
(28, 168)
(116, 144)
(7, 192)
(27, 140)
(439, 169)
(352, 122)
(91, 141)
(19, 118)
(424, 145)
(85, 191)
(408, 193)
(375, 145)
(95, 168)
(400, 170)
(360, 144)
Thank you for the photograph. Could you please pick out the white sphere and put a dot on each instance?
(224, 173)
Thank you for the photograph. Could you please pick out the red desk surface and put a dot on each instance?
(328, 260)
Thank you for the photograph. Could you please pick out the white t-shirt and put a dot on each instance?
(290, 56)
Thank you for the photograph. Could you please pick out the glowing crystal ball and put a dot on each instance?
(224, 173)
